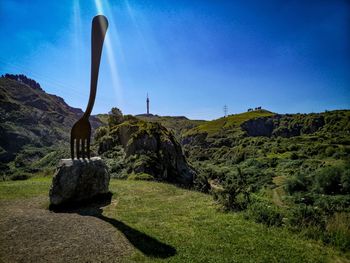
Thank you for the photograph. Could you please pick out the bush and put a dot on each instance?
(263, 212)
(338, 231)
(297, 183)
(236, 192)
(302, 216)
(345, 181)
(201, 181)
(100, 132)
(294, 156)
(116, 164)
(331, 204)
(20, 176)
(329, 151)
(328, 180)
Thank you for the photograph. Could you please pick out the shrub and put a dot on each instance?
(338, 231)
(201, 181)
(328, 180)
(105, 144)
(331, 204)
(263, 212)
(20, 176)
(294, 156)
(297, 183)
(329, 151)
(236, 191)
(345, 181)
(100, 132)
(307, 216)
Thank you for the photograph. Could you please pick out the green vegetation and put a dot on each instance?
(190, 223)
(228, 122)
(141, 176)
(288, 172)
(295, 170)
(35, 186)
(178, 125)
(34, 128)
(131, 146)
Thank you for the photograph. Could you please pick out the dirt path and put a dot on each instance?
(278, 192)
(276, 196)
(32, 233)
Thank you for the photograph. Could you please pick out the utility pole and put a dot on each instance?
(147, 102)
(225, 110)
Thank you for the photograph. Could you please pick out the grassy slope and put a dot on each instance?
(191, 223)
(230, 121)
(178, 125)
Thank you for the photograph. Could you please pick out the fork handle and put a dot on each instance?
(98, 32)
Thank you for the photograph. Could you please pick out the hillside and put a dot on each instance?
(177, 124)
(133, 147)
(287, 170)
(33, 123)
(146, 222)
(283, 170)
(262, 134)
(226, 123)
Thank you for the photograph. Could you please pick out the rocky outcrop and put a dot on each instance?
(150, 148)
(284, 125)
(79, 181)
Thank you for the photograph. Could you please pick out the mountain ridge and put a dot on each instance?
(32, 121)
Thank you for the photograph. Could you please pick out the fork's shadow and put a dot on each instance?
(147, 244)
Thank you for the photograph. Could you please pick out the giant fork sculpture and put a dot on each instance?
(81, 131)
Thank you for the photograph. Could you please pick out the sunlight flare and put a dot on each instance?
(112, 44)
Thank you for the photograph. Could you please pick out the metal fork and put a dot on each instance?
(81, 131)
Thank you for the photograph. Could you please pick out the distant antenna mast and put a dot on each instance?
(225, 110)
(147, 102)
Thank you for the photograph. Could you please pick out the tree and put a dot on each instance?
(115, 117)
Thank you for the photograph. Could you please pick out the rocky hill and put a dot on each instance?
(177, 124)
(31, 121)
(148, 150)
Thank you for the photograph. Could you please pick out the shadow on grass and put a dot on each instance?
(143, 242)
(148, 245)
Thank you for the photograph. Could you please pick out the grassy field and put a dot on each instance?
(165, 223)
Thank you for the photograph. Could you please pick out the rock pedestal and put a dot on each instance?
(77, 181)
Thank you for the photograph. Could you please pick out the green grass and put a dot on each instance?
(178, 125)
(212, 127)
(35, 186)
(190, 223)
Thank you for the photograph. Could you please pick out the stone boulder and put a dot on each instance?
(77, 181)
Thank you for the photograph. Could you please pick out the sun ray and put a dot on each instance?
(104, 9)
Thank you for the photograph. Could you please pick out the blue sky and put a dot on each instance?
(192, 57)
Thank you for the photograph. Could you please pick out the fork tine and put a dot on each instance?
(83, 148)
(72, 147)
(88, 147)
(77, 147)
